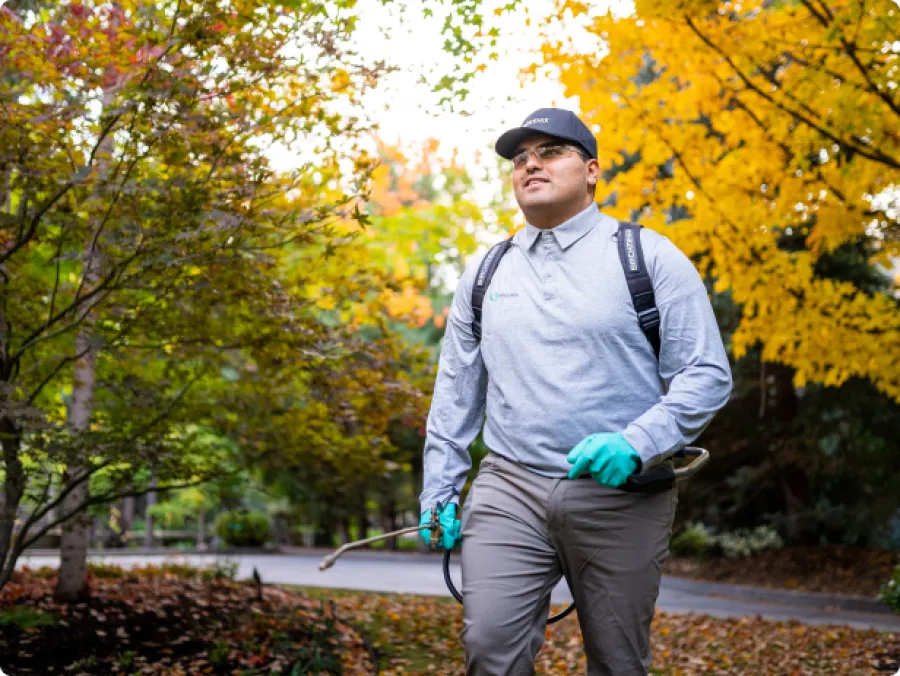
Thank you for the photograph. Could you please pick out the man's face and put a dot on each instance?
(554, 183)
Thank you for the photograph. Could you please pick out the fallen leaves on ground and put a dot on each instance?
(420, 635)
(832, 569)
(170, 620)
(175, 620)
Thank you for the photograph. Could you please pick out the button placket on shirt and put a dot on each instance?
(548, 246)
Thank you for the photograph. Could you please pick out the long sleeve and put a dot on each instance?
(693, 363)
(458, 404)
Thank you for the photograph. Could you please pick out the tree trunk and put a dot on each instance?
(390, 522)
(127, 517)
(344, 529)
(10, 434)
(148, 519)
(793, 466)
(201, 528)
(362, 518)
(72, 583)
(324, 528)
(13, 489)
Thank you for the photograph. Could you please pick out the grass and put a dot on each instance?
(25, 619)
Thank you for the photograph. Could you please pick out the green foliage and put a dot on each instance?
(84, 664)
(890, 592)
(125, 659)
(144, 234)
(182, 506)
(699, 540)
(742, 543)
(25, 618)
(695, 539)
(322, 654)
(218, 654)
(243, 528)
(221, 570)
(106, 571)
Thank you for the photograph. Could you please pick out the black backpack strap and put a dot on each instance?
(483, 280)
(639, 284)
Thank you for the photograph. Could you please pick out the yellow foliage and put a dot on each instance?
(777, 122)
(408, 305)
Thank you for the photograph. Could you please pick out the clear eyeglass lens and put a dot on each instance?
(542, 153)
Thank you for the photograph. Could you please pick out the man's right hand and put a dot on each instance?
(450, 526)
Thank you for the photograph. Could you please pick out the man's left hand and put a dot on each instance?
(608, 457)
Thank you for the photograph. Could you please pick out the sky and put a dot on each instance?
(407, 111)
(410, 112)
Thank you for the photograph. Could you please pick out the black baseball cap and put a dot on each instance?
(557, 122)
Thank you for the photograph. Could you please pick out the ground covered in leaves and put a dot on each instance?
(832, 569)
(419, 635)
(171, 620)
(178, 620)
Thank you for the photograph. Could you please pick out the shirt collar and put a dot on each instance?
(566, 233)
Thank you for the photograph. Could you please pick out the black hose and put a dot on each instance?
(450, 585)
(458, 596)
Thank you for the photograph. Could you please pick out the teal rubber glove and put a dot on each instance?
(608, 457)
(450, 526)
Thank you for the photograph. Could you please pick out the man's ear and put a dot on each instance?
(593, 167)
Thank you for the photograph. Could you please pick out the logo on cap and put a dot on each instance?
(537, 120)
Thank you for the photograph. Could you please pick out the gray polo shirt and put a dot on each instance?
(562, 356)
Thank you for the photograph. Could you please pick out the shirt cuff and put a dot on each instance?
(426, 502)
(644, 445)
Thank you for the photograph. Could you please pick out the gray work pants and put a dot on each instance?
(522, 532)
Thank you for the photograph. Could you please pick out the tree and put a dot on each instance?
(757, 137)
(140, 231)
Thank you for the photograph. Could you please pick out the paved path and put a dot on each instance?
(422, 574)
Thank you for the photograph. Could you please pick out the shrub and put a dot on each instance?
(695, 539)
(741, 543)
(222, 570)
(890, 591)
(241, 528)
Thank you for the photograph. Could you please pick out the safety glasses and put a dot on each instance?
(544, 153)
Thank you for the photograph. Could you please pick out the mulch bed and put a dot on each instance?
(832, 569)
(171, 620)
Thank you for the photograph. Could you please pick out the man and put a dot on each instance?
(576, 402)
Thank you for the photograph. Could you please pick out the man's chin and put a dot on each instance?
(535, 201)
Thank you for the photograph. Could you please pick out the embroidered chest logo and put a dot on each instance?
(495, 295)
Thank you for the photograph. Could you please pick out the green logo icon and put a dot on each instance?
(494, 295)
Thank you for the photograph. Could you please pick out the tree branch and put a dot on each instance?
(58, 272)
(812, 10)
(875, 156)
(53, 374)
(38, 336)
